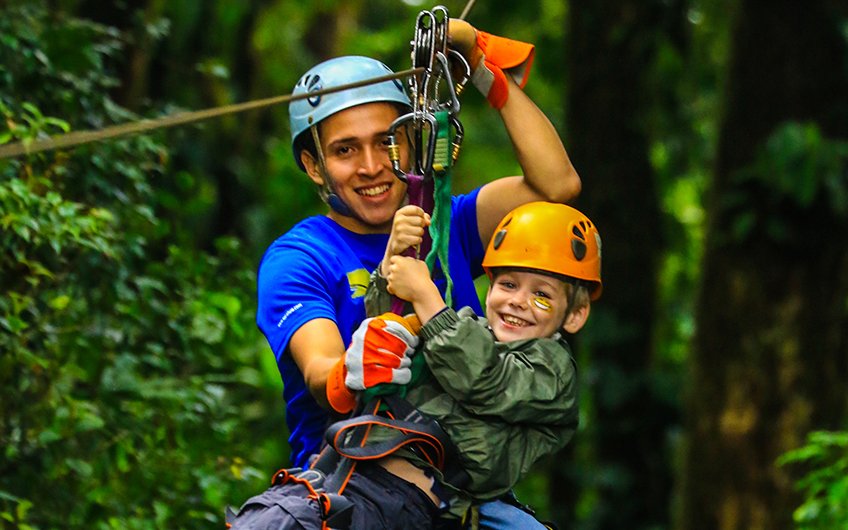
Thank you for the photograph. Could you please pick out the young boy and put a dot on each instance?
(503, 388)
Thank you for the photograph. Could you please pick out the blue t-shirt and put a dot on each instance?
(320, 270)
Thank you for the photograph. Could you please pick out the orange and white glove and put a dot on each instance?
(380, 352)
(492, 58)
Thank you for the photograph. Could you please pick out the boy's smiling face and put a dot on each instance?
(525, 305)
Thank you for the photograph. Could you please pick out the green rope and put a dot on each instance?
(441, 218)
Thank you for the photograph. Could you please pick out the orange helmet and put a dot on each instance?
(549, 237)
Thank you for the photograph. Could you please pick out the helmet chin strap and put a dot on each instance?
(326, 191)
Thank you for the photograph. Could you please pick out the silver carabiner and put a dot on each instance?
(452, 104)
(457, 58)
(418, 119)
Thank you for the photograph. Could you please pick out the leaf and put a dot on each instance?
(32, 109)
(122, 460)
(23, 507)
(60, 302)
(208, 327)
(81, 467)
(229, 303)
(8, 496)
(37, 268)
(48, 436)
(14, 324)
(56, 122)
(807, 512)
(89, 422)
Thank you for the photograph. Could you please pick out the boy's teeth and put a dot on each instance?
(514, 321)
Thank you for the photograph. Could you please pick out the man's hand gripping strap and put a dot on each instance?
(380, 352)
(501, 57)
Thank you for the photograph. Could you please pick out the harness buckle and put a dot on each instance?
(336, 511)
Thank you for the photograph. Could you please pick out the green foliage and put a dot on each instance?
(824, 484)
(34, 124)
(130, 390)
(798, 162)
(127, 359)
(797, 169)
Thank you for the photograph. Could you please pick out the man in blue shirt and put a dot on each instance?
(312, 280)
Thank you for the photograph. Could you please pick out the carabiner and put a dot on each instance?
(418, 119)
(458, 136)
(454, 57)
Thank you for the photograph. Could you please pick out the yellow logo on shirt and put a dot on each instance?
(358, 281)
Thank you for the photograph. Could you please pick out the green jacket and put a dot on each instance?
(504, 405)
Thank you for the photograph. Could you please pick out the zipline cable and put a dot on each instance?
(467, 8)
(181, 118)
(76, 138)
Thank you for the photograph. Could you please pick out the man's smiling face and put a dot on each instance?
(355, 146)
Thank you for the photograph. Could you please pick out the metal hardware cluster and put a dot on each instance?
(442, 76)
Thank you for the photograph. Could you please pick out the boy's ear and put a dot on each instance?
(311, 166)
(575, 320)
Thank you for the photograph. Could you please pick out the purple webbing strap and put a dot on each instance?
(420, 193)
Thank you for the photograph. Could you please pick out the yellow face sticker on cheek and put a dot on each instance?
(542, 303)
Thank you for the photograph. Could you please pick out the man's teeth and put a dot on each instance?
(376, 190)
(514, 321)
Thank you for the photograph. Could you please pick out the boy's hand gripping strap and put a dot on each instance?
(500, 57)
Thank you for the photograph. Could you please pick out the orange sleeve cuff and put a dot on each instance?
(512, 56)
(338, 395)
(410, 321)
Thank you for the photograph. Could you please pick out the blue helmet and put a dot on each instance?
(339, 71)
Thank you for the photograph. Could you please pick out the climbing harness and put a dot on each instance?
(330, 471)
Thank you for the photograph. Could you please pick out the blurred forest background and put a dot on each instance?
(712, 139)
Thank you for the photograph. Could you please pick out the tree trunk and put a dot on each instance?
(612, 46)
(771, 347)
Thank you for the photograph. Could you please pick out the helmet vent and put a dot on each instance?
(579, 249)
(313, 84)
(499, 237)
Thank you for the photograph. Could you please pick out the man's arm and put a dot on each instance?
(316, 347)
(548, 172)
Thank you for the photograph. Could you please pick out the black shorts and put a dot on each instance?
(381, 501)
